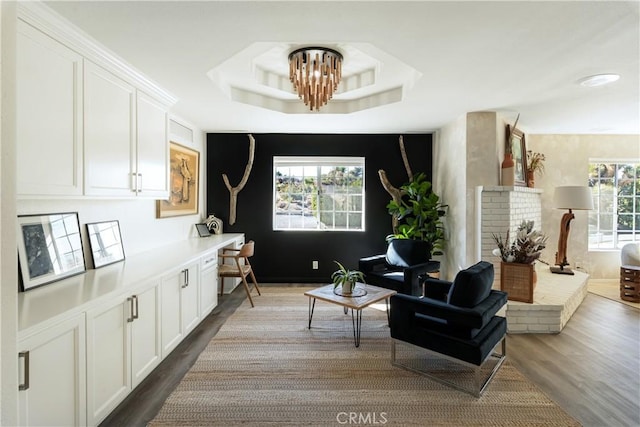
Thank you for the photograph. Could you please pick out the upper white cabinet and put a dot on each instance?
(152, 147)
(109, 128)
(87, 123)
(126, 146)
(49, 115)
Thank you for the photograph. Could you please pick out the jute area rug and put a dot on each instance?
(266, 368)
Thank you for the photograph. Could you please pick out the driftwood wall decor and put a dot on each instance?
(396, 193)
(233, 191)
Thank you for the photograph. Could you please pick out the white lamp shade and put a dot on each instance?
(573, 197)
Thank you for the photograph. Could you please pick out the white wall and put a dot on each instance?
(8, 256)
(567, 158)
(449, 178)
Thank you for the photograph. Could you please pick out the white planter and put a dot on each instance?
(347, 288)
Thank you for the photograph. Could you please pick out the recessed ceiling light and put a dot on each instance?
(598, 80)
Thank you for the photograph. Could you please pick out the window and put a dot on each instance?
(615, 220)
(318, 193)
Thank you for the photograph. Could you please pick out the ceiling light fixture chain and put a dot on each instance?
(315, 73)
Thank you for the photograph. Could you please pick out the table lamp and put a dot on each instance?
(572, 198)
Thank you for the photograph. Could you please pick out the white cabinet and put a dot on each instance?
(145, 335)
(126, 146)
(179, 312)
(109, 114)
(53, 376)
(230, 283)
(208, 283)
(123, 346)
(49, 115)
(152, 154)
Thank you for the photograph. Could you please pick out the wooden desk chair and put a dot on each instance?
(238, 269)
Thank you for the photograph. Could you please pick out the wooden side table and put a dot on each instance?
(356, 303)
(630, 283)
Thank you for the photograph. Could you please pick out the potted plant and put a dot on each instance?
(345, 278)
(535, 164)
(419, 214)
(517, 272)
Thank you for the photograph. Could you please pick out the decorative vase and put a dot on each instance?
(531, 181)
(508, 170)
(347, 288)
(517, 281)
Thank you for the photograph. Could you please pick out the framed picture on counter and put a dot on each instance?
(106, 243)
(49, 248)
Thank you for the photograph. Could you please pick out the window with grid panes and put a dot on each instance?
(318, 193)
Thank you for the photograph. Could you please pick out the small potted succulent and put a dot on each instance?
(345, 278)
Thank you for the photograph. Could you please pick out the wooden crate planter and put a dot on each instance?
(517, 280)
(630, 283)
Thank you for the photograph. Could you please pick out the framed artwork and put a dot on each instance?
(106, 243)
(519, 151)
(184, 164)
(49, 248)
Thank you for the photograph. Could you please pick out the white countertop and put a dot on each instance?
(60, 300)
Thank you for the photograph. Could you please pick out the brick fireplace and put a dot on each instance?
(556, 297)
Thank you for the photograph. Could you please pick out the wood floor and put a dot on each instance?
(591, 369)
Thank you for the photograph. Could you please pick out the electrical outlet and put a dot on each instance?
(314, 265)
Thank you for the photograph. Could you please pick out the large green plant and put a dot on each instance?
(419, 214)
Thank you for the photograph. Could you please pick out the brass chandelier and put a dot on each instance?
(315, 73)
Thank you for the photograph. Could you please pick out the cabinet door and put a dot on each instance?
(152, 148)
(179, 301)
(171, 315)
(190, 305)
(49, 115)
(56, 391)
(208, 284)
(109, 138)
(145, 334)
(108, 362)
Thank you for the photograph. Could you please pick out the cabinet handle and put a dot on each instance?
(25, 384)
(135, 299)
(134, 182)
(130, 301)
(139, 185)
(185, 274)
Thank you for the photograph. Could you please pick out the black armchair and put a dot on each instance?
(401, 269)
(455, 319)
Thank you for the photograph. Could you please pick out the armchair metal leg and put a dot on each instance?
(417, 359)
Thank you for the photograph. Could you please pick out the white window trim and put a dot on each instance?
(302, 161)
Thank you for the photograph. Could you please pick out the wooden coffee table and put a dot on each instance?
(371, 295)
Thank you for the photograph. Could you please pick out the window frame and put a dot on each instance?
(318, 162)
(596, 214)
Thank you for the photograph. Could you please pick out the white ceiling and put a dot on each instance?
(512, 57)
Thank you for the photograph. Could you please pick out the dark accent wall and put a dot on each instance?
(286, 256)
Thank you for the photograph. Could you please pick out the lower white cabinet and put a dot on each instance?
(208, 283)
(79, 362)
(52, 388)
(123, 346)
(180, 305)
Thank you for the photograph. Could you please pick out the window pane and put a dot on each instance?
(318, 193)
(625, 205)
(614, 219)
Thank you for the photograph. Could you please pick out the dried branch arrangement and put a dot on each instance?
(233, 191)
